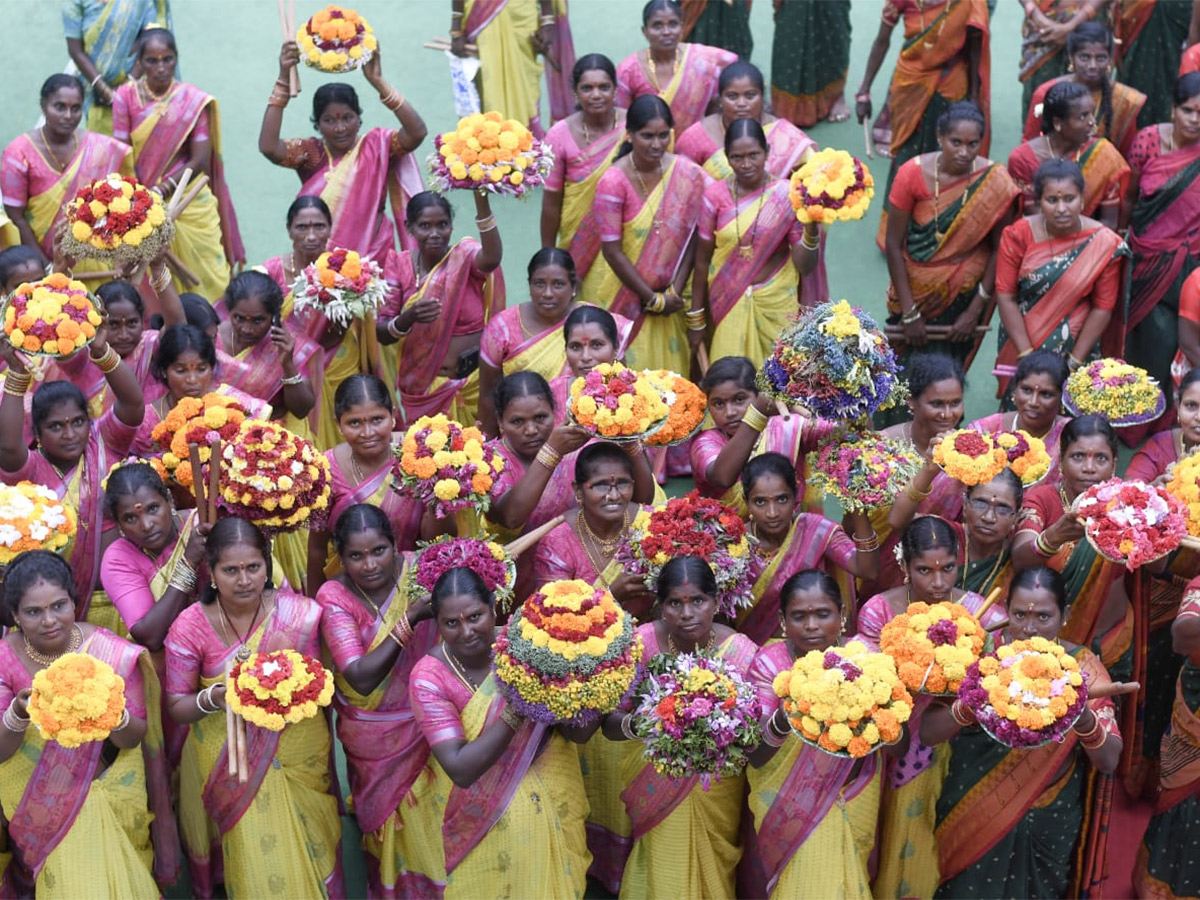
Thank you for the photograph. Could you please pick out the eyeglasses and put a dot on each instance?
(604, 488)
(999, 510)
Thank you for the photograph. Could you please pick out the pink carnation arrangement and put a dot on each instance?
(486, 559)
(863, 471)
(1131, 522)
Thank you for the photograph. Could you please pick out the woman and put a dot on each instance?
(1009, 821)
(376, 632)
(1037, 391)
(447, 294)
(1090, 50)
(356, 174)
(43, 169)
(683, 75)
(1068, 132)
(685, 838)
(1044, 33)
(801, 845)
(309, 223)
(19, 265)
(1152, 36)
(810, 61)
(513, 816)
(583, 144)
(173, 126)
(941, 251)
(1058, 278)
(786, 541)
(360, 468)
(751, 253)
(93, 820)
(286, 806)
(591, 336)
(647, 208)
(725, 25)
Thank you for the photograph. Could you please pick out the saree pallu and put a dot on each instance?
(577, 231)
(510, 73)
(690, 90)
(506, 346)
(261, 375)
(1164, 595)
(786, 144)
(810, 58)
(1105, 175)
(1041, 61)
(719, 23)
(1126, 104)
(1151, 35)
(403, 513)
(356, 353)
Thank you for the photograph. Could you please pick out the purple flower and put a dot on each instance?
(700, 707)
(942, 633)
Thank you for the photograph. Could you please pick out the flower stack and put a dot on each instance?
(1183, 483)
(617, 403)
(341, 285)
(933, 645)
(835, 361)
(276, 689)
(33, 518)
(863, 471)
(831, 186)
(487, 151)
(52, 317)
(1123, 394)
(117, 219)
(692, 526)
(1026, 693)
(568, 654)
(487, 559)
(697, 717)
(970, 457)
(336, 40)
(846, 700)
(445, 465)
(1131, 522)
(1027, 455)
(77, 699)
(686, 405)
(200, 421)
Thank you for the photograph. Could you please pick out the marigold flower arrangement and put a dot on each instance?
(835, 361)
(692, 526)
(336, 40)
(195, 420)
(116, 219)
(863, 471)
(489, 152)
(697, 716)
(568, 654)
(933, 645)
(847, 701)
(1026, 693)
(276, 689)
(970, 457)
(1123, 394)
(617, 403)
(832, 185)
(1131, 522)
(342, 285)
(487, 559)
(274, 478)
(441, 463)
(1183, 483)
(686, 405)
(33, 518)
(1027, 455)
(77, 699)
(52, 317)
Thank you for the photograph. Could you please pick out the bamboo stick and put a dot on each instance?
(443, 44)
(702, 359)
(214, 478)
(197, 483)
(1113, 689)
(933, 330)
(182, 272)
(996, 626)
(231, 739)
(243, 761)
(992, 597)
(783, 409)
(519, 545)
(196, 187)
(867, 139)
(184, 178)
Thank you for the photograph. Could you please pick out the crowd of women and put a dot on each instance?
(668, 240)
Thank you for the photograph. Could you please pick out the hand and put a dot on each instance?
(631, 592)
(423, 311)
(674, 301)
(217, 695)
(963, 328)
(914, 333)
(17, 361)
(542, 38)
(373, 71)
(458, 45)
(1067, 529)
(289, 58)
(862, 107)
(421, 610)
(62, 261)
(284, 343)
(98, 345)
(193, 552)
(102, 94)
(695, 339)
(20, 702)
(568, 438)
(1055, 33)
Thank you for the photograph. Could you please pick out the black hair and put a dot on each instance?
(1043, 362)
(738, 70)
(1192, 377)
(1087, 426)
(127, 480)
(587, 314)
(150, 34)
(12, 258)
(361, 388)
(460, 581)
(228, 532)
(176, 340)
(422, 201)
(308, 201)
(360, 517)
(1186, 87)
(658, 6)
(52, 394)
(334, 92)
(737, 369)
(553, 256)
(1057, 170)
(686, 570)
(198, 312)
(1040, 578)
(591, 456)
(121, 292)
(810, 578)
(927, 369)
(741, 128)
(593, 62)
(642, 111)
(1057, 104)
(926, 533)
(961, 111)
(27, 570)
(525, 383)
(1011, 481)
(1095, 33)
(768, 464)
(58, 82)
(252, 284)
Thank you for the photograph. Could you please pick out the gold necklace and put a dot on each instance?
(371, 603)
(652, 67)
(937, 193)
(746, 250)
(243, 652)
(656, 223)
(43, 659)
(459, 670)
(765, 555)
(930, 44)
(712, 642)
(607, 547)
(587, 138)
(157, 98)
(59, 164)
(967, 564)
(1062, 496)
(1054, 155)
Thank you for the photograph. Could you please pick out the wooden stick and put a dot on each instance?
(783, 409)
(992, 597)
(702, 359)
(1113, 689)
(105, 275)
(294, 73)
(214, 478)
(231, 739)
(996, 626)
(196, 187)
(180, 187)
(443, 44)
(934, 330)
(182, 272)
(867, 139)
(197, 483)
(283, 20)
(243, 761)
(517, 546)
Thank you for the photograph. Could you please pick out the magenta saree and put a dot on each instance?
(404, 514)
(576, 173)
(689, 91)
(260, 374)
(786, 144)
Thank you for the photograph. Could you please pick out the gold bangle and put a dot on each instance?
(548, 457)
(627, 727)
(754, 419)
(815, 245)
(1024, 353)
(17, 384)
(633, 449)
(867, 544)
(915, 494)
(1043, 547)
(546, 20)
(108, 362)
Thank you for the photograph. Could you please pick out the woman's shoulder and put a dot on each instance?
(559, 136)
(334, 594)
(21, 146)
(1021, 230)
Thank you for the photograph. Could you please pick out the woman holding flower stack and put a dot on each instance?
(1037, 392)
(309, 222)
(591, 336)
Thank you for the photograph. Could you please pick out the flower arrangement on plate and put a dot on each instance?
(568, 654)
(1025, 694)
(863, 471)
(33, 518)
(195, 420)
(847, 701)
(970, 457)
(273, 690)
(116, 219)
(487, 559)
(617, 403)
(336, 40)
(274, 478)
(441, 463)
(341, 285)
(486, 151)
(77, 699)
(1123, 394)
(696, 716)
(1131, 522)
(835, 361)
(1183, 483)
(933, 645)
(686, 405)
(692, 526)
(53, 317)
(1027, 455)
(831, 186)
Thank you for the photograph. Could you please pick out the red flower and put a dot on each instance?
(972, 444)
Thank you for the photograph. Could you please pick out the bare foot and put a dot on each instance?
(839, 112)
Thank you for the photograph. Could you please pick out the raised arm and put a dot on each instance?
(13, 452)
(412, 126)
(270, 144)
(490, 256)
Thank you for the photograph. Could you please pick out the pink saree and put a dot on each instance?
(785, 145)
(144, 445)
(79, 370)
(260, 374)
(576, 173)
(404, 514)
(689, 91)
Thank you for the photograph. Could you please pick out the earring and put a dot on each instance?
(1071, 65)
(1058, 128)
(842, 630)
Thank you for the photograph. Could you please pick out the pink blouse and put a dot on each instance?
(617, 201)
(14, 678)
(438, 699)
(126, 574)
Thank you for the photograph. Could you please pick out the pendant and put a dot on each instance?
(243, 653)
(746, 251)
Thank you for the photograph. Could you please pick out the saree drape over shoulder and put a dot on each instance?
(1105, 174)
(508, 347)
(690, 89)
(1126, 104)
(576, 174)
